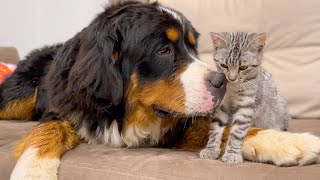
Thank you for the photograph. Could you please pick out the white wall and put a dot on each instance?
(29, 24)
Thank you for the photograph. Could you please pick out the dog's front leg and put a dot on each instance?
(39, 152)
(281, 148)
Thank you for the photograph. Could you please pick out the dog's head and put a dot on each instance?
(144, 56)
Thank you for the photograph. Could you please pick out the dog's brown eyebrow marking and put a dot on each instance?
(172, 34)
(191, 38)
(115, 55)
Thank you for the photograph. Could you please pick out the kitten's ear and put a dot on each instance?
(258, 41)
(218, 40)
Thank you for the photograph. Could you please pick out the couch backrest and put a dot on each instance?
(292, 53)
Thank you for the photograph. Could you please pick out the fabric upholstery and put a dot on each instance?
(292, 56)
(293, 43)
(99, 162)
(112, 2)
(9, 55)
(10, 133)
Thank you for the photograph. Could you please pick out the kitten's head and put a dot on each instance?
(238, 54)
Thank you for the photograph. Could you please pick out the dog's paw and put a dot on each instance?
(232, 158)
(31, 167)
(210, 153)
(282, 148)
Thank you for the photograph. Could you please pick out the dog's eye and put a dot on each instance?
(164, 51)
(160, 112)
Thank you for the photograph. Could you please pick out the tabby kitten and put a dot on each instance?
(251, 98)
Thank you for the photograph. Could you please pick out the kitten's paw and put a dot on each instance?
(282, 148)
(232, 158)
(210, 153)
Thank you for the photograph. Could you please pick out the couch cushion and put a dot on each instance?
(293, 43)
(10, 133)
(100, 162)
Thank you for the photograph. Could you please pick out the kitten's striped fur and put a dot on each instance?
(251, 98)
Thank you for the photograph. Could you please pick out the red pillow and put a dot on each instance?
(6, 70)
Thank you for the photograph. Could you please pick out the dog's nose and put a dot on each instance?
(217, 84)
(217, 80)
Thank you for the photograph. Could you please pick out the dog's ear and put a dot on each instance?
(95, 76)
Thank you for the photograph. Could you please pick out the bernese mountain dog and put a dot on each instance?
(131, 78)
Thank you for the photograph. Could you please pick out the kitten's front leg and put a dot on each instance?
(217, 126)
(241, 123)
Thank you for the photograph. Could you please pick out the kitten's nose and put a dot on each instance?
(232, 77)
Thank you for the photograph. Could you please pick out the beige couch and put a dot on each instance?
(292, 55)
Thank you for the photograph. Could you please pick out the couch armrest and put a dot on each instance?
(9, 55)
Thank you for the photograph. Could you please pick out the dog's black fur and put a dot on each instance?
(27, 77)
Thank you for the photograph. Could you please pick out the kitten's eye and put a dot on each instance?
(243, 67)
(224, 66)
